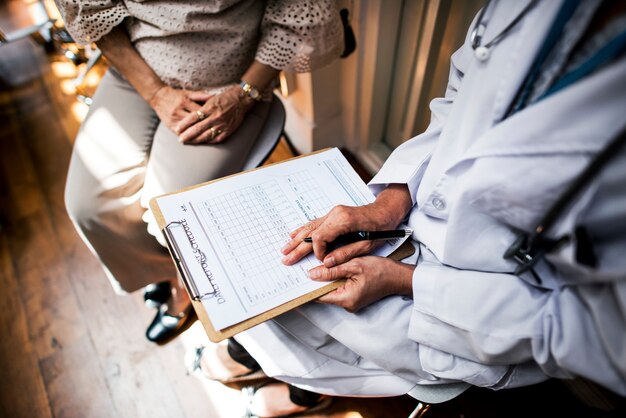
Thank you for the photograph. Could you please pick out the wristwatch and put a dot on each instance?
(250, 90)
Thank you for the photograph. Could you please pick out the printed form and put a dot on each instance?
(229, 233)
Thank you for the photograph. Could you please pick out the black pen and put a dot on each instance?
(351, 237)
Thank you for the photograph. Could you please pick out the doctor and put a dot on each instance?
(535, 94)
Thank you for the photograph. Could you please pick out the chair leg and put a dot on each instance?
(292, 149)
(419, 410)
(91, 62)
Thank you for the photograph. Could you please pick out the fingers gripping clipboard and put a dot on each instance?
(237, 281)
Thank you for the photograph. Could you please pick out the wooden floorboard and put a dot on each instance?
(23, 392)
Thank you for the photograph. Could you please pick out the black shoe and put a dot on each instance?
(164, 326)
(156, 294)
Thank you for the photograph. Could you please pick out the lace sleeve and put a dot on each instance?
(87, 21)
(300, 35)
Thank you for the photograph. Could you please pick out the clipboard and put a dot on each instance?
(196, 296)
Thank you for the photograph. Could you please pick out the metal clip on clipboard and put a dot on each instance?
(181, 265)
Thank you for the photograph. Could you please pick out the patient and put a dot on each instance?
(187, 93)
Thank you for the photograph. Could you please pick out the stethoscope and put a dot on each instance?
(482, 52)
(529, 248)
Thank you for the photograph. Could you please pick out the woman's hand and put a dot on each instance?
(173, 105)
(386, 212)
(368, 279)
(197, 117)
(216, 119)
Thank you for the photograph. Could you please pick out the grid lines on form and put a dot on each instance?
(310, 197)
(253, 241)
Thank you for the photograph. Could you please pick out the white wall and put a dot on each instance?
(332, 106)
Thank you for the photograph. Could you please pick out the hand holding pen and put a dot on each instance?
(331, 258)
(357, 236)
(384, 214)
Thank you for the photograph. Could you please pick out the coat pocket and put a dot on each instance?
(519, 190)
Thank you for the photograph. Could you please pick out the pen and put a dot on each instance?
(351, 237)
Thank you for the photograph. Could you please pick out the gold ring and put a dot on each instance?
(200, 114)
(213, 132)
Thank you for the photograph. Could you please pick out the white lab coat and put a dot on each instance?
(473, 179)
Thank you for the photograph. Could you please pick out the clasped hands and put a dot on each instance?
(367, 278)
(198, 117)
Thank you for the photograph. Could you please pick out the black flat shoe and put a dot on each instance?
(156, 294)
(165, 327)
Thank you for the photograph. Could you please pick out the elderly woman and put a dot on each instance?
(186, 95)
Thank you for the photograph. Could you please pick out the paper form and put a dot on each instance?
(229, 232)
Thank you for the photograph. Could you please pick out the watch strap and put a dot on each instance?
(250, 90)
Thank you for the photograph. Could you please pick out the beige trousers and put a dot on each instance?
(123, 156)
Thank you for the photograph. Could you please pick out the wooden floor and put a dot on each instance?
(69, 346)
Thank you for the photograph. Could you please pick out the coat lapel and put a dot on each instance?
(562, 123)
(516, 52)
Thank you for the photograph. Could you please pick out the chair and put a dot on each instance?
(595, 396)
(21, 33)
(45, 29)
(39, 23)
(426, 395)
(269, 136)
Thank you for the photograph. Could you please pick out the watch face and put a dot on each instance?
(252, 92)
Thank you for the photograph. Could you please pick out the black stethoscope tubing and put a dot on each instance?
(529, 248)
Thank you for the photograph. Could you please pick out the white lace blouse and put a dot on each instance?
(209, 43)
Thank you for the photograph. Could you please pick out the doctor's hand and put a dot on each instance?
(216, 119)
(386, 212)
(368, 279)
(174, 105)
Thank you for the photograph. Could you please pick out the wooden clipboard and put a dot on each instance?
(215, 335)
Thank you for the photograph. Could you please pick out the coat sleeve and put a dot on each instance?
(88, 21)
(300, 36)
(574, 329)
